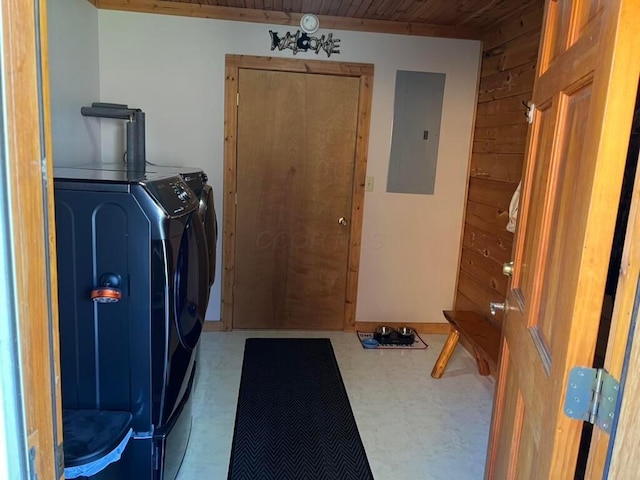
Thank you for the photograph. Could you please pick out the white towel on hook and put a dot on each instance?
(513, 209)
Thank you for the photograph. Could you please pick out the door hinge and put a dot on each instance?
(60, 460)
(592, 396)
(237, 99)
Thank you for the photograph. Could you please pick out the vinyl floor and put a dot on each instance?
(413, 427)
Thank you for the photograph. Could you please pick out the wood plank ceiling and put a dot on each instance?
(477, 14)
(447, 18)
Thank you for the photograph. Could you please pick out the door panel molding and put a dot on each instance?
(233, 63)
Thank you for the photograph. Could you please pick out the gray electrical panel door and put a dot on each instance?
(417, 113)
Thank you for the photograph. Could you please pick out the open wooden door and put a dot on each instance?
(27, 223)
(584, 96)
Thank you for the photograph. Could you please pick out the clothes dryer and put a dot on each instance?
(197, 180)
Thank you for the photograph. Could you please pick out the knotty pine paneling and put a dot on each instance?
(484, 269)
(523, 50)
(480, 294)
(505, 139)
(505, 84)
(506, 167)
(490, 192)
(464, 19)
(505, 144)
(507, 111)
(486, 217)
(275, 12)
(465, 304)
(529, 22)
(506, 81)
(496, 246)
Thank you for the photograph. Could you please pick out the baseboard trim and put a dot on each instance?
(427, 328)
(210, 326)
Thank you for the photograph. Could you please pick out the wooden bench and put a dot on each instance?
(483, 336)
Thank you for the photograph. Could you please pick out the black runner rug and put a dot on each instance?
(294, 420)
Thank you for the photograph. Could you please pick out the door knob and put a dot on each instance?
(507, 269)
(494, 307)
(342, 221)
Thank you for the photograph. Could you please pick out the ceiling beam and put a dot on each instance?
(167, 7)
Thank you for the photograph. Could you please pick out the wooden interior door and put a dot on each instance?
(296, 142)
(584, 96)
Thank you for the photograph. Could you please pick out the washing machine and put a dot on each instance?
(133, 292)
(197, 180)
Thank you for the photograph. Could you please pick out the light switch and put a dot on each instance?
(368, 185)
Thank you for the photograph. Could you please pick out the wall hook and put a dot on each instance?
(530, 109)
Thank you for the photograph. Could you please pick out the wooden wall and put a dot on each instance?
(506, 80)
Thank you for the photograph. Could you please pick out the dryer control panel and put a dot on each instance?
(172, 194)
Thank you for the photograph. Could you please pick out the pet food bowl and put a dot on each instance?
(370, 343)
(405, 331)
(384, 331)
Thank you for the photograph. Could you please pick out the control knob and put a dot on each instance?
(183, 195)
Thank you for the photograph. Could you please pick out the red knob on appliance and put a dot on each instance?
(106, 295)
(107, 292)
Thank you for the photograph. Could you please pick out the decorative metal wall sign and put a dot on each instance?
(301, 42)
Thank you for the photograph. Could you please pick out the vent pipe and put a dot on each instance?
(136, 149)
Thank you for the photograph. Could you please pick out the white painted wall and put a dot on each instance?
(173, 68)
(74, 80)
